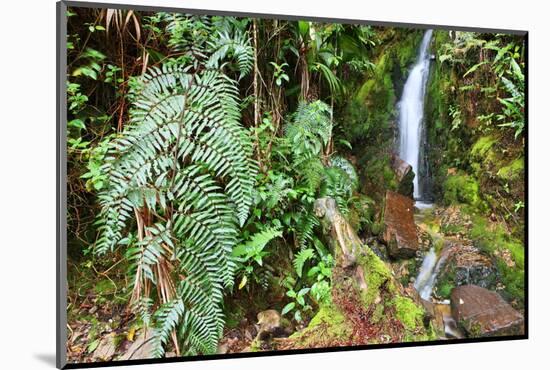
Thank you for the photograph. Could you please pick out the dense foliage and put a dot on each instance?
(197, 146)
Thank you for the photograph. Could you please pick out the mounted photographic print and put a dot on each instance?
(253, 184)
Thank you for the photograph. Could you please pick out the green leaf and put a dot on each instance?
(243, 282)
(77, 123)
(303, 28)
(301, 259)
(93, 346)
(345, 143)
(474, 68)
(194, 159)
(289, 307)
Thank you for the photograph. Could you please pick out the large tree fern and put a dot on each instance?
(180, 179)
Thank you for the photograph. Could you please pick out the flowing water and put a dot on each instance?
(411, 120)
(411, 111)
(427, 275)
(411, 117)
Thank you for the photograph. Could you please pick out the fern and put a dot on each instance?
(337, 186)
(309, 130)
(258, 241)
(182, 173)
(312, 172)
(344, 165)
(305, 228)
(235, 45)
(301, 258)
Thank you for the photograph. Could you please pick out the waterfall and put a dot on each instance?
(411, 112)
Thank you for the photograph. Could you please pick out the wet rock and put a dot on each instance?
(399, 233)
(481, 312)
(141, 348)
(425, 240)
(465, 265)
(378, 248)
(106, 348)
(404, 175)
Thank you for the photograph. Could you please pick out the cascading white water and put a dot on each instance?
(427, 276)
(411, 110)
(411, 116)
(425, 280)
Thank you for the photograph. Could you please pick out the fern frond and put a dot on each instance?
(258, 240)
(309, 130)
(312, 171)
(305, 227)
(345, 165)
(301, 258)
(183, 168)
(238, 46)
(337, 185)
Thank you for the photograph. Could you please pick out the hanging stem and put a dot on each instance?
(256, 94)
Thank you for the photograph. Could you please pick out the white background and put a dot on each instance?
(27, 185)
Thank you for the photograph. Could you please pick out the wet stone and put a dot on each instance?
(481, 312)
(399, 228)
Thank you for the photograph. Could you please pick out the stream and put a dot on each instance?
(411, 120)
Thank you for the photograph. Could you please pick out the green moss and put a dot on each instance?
(406, 311)
(337, 326)
(376, 228)
(495, 241)
(444, 287)
(255, 346)
(329, 325)
(462, 188)
(513, 171)
(105, 287)
(483, 145)
(378, 314)
(439, 243)
(376, 275)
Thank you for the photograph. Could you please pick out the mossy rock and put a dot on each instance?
(512, 171)
(509, 254)
(381, 304)
(408, 313)
(462, 188)
(329, 327)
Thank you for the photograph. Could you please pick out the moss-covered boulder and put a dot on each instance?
(368, 305)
